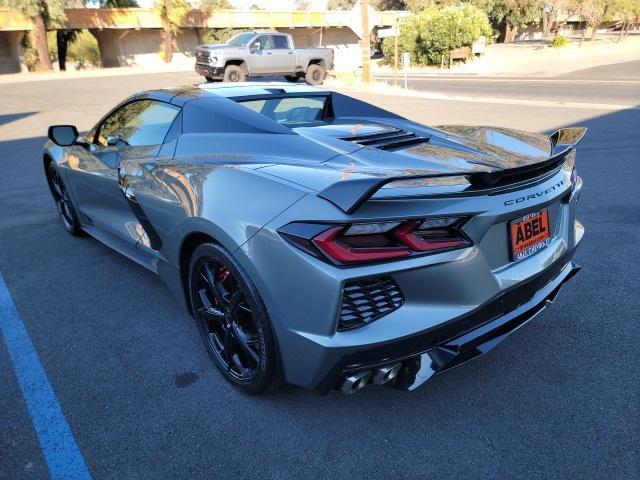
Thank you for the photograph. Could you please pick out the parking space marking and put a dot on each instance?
(60, 450)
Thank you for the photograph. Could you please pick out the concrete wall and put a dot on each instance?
(11, 52)
(120, 48)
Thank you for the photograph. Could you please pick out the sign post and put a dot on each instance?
(406, 63)
(392, 32)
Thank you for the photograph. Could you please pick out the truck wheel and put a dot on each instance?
(291, 78)
(233, 73)
(315, 74)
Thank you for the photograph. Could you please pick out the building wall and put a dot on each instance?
(121, 48)
(11, 51)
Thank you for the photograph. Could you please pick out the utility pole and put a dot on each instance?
(365, 42)
(395, 53)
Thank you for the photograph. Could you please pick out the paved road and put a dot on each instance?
(612, 84)
(559, 399)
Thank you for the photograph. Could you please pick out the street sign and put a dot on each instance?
(387, 32)
(406, 60)
(406, 63)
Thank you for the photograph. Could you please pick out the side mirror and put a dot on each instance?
(254, 47)
(63, 135)
(112, 140)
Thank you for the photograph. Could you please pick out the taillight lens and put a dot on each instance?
(377, 241)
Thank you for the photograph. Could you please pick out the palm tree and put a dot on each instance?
(172, 13)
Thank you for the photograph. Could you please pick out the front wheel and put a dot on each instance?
(232, 319)
(233, 73)
(63, 201)
(315, 74)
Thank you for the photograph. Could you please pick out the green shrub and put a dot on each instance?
(560, 41)
(436, 31)
(84, 51)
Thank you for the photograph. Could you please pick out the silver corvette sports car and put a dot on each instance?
(320, 240)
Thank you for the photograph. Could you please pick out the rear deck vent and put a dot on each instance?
(388, 140)
(366, 300)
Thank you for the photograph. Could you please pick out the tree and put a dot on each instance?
(511, 15)
(340, 4)
(118, 4)
(43, 14)
(172, 13)
(215, 5)
(381, 5)
(627, 11)
(592, 12)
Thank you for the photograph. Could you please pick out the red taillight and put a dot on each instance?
(429, 239)
(338, 248)
(377, 241)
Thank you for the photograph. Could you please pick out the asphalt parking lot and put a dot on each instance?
(558, 399)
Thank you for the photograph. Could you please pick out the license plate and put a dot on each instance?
(529, 234)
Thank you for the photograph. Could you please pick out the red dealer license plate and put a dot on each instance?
(529, 234)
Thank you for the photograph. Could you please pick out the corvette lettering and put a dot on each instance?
(537, 195)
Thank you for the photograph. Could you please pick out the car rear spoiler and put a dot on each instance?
(349, 195)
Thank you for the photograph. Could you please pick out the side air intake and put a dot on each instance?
(388, 140)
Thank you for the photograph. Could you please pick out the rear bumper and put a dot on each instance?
(462, 339)
(207, 71)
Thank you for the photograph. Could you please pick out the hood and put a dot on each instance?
(219, 48)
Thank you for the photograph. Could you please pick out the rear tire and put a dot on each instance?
(315, 74)
(232, 319)
(63, 202)
(292, 78)
(234, 73)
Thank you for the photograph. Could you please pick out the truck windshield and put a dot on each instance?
(290, 111)
(241, 40)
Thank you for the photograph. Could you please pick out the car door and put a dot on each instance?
(133, 133)
(260, 56)
(282, 57)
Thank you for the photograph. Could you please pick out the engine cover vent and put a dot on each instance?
(389, 140)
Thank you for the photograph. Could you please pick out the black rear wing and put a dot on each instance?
(349, 195)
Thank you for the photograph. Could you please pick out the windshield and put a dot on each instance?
(241, 40)
(290, 111)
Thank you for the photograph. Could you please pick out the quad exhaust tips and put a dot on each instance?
(385, 374)
(357, 381)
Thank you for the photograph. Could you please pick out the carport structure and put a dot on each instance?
(133, 36)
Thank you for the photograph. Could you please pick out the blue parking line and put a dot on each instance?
(61, 453)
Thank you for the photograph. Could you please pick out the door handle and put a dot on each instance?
(268, 53)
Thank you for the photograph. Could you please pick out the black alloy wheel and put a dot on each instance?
(232, 319)
(63, 202)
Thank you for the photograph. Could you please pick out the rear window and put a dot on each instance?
(280, 42)
(290, 111)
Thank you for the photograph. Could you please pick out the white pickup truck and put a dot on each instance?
(260, 54)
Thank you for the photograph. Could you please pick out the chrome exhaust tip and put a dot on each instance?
(356, 381)
(386, 374)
